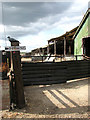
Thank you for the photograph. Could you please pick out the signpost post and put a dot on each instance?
(16, 68)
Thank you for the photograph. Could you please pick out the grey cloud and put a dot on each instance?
(0, 13)
(32, 15)
(24, 13)
(89, 4)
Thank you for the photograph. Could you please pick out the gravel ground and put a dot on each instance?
(68, 100)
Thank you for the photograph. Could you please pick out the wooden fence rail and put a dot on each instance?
(51, 73)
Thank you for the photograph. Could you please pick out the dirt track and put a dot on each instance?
(68, 100)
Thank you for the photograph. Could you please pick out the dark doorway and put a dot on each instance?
(86, 46)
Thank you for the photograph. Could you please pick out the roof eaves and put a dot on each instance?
(64, 35)
(81, 23)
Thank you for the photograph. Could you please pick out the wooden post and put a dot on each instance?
(39, 51)
(48, 49)
(55, 52)
(64, 46)
(70, 49)
(0, 65)
(11, 57)
(20, 100)
(43, 51)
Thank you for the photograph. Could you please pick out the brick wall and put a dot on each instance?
(4, 94)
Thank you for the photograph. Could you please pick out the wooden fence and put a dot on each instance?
(52, 73)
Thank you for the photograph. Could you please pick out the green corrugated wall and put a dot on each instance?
(84, 32)
(89, 26)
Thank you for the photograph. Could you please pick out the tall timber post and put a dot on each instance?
(16, 65)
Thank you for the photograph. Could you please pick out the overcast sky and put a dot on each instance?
(33, 23)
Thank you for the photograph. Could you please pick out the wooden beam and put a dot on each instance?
(43, 51)
(70, 49)
(64, 46)
(39, 51)
(55, 52)
(48, 49)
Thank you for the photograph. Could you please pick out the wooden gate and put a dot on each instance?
(51, 73)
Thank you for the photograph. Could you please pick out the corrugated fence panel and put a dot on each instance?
(43, 73)
(50, 73)
(77, 69)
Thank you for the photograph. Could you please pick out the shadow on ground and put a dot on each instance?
(64, 98)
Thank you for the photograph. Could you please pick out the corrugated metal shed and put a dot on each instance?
(82, 32)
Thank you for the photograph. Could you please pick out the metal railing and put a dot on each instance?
(61, 57)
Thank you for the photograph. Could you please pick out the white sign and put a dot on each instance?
(15, 48)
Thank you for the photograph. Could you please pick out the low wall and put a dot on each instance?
(54, 73)
(4, 95)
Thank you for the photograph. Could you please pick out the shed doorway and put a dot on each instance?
(86, 46)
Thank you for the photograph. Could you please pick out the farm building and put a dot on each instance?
(82, 37)
(39, 51)
(62, 45)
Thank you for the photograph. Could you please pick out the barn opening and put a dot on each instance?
(86, 46)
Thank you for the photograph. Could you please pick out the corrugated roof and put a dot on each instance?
(68, 35)
(82, 22)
